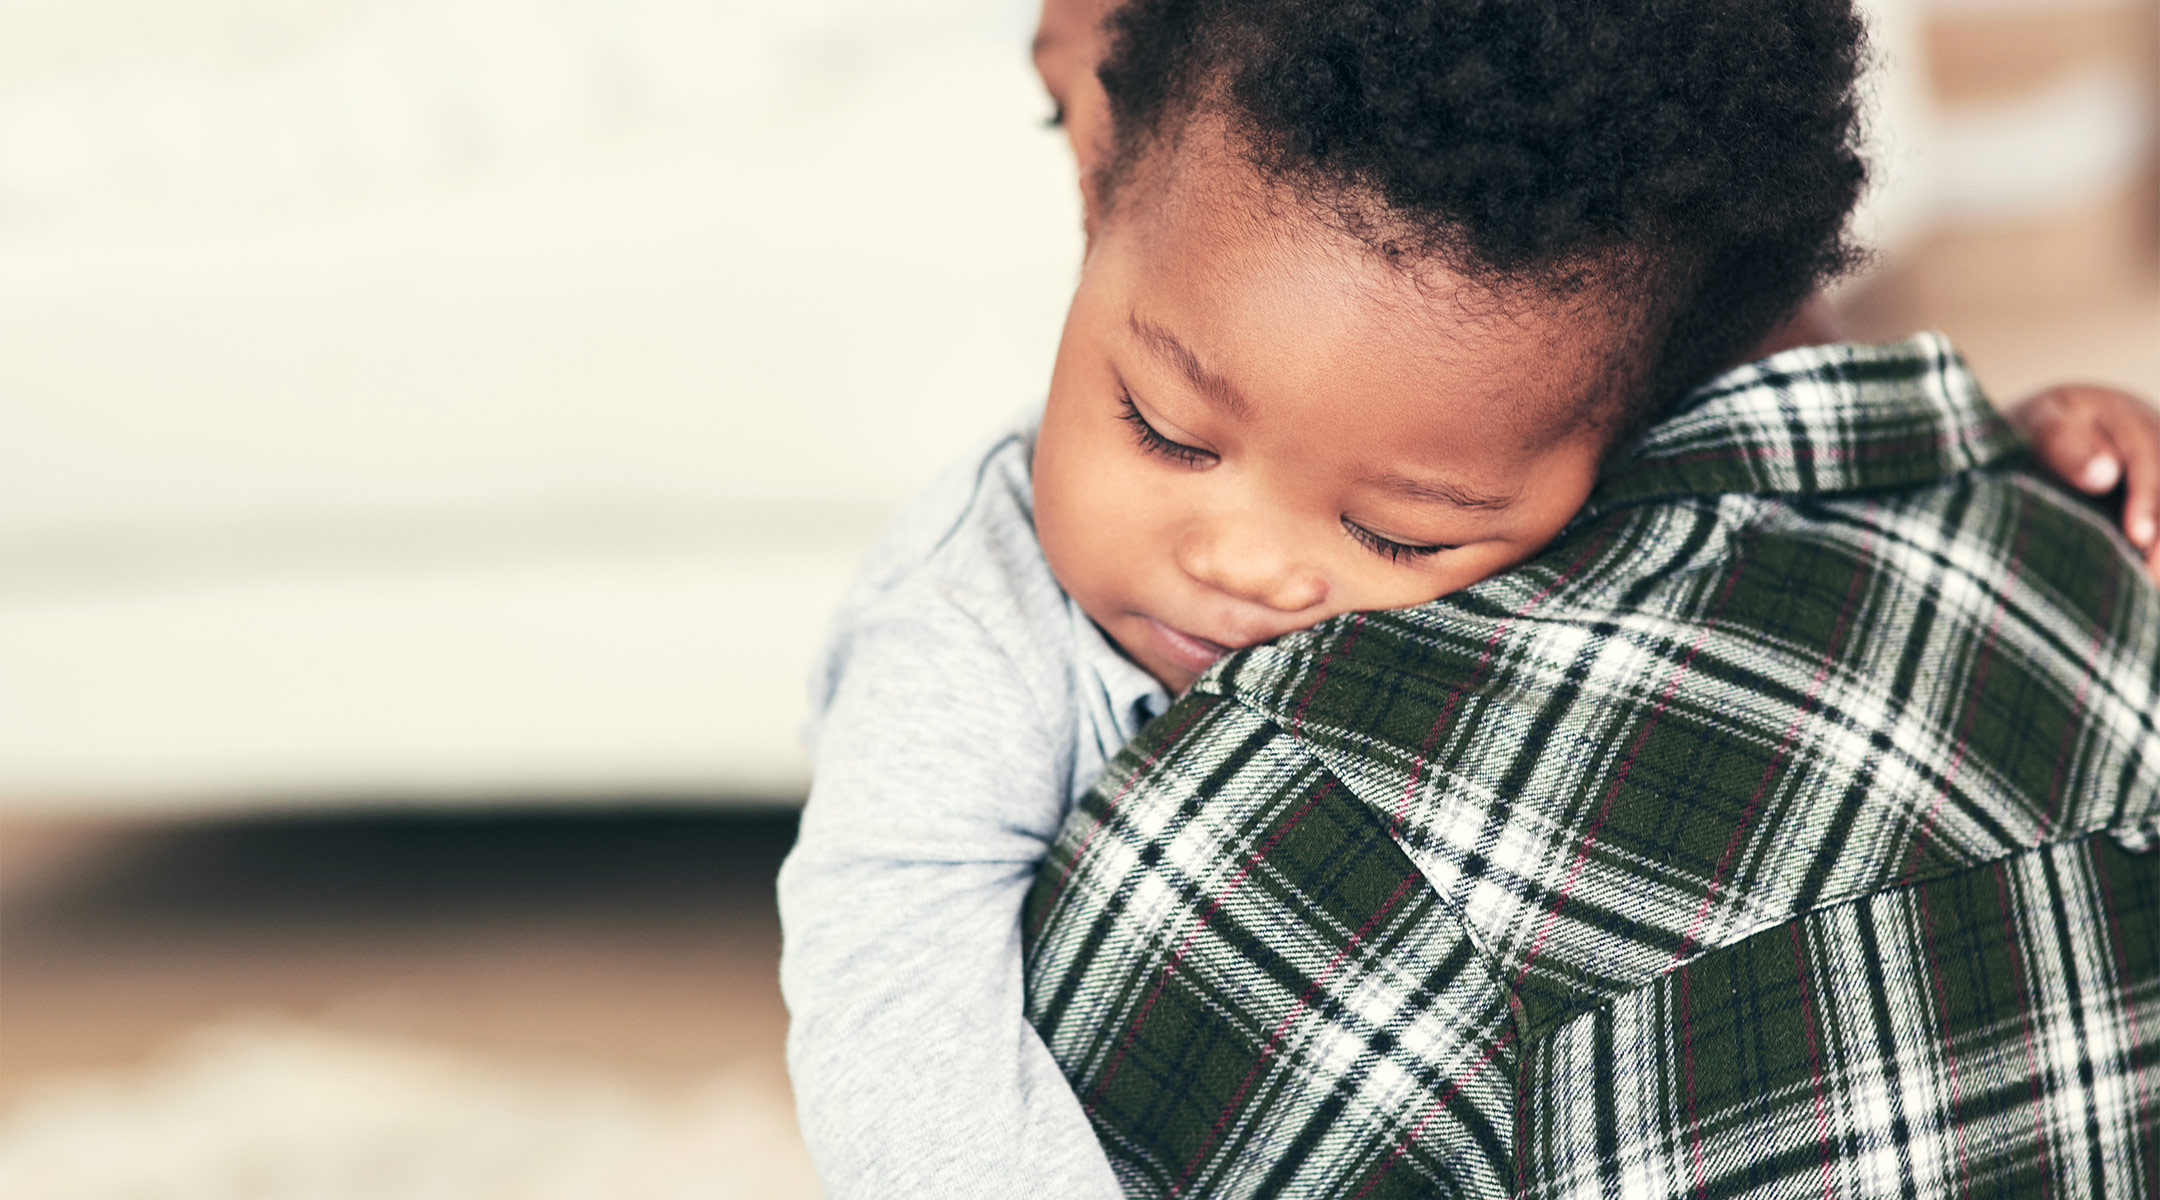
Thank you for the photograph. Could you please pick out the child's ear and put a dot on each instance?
(1093, 186)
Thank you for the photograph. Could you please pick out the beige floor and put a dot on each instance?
(645, 948)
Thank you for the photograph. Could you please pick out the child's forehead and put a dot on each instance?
(1240, 245)
(1242, 268)
(1276, 307)
(1197, 189)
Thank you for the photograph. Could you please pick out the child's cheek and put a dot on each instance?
(1064, 498)
(1090, 517)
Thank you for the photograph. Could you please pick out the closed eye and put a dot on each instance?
(1155, 443)
(1389, 548)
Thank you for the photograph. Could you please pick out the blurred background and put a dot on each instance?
(432, 435)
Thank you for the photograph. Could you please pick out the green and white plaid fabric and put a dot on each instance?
(1782, 830)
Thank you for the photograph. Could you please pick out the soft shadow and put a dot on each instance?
(306, 875)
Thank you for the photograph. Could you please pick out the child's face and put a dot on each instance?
(1254, 425)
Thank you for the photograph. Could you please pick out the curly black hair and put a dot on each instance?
(1705, 151)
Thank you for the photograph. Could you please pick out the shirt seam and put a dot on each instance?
(1572, 1015)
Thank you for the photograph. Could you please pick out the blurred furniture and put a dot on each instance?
(2020, 168)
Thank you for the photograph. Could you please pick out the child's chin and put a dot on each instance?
(1174, 679)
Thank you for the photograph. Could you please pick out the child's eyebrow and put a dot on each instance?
(1437, 491)
(1208, 383)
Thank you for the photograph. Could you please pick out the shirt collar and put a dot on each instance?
(1129, 694)
(1816, 420)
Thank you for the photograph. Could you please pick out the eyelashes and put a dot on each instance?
(1155, 443)
(1056, 119)
(1151, 441)
(1388, 548)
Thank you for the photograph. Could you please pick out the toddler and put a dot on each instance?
(1290, 386)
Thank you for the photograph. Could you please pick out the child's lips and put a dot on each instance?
(1194, 653)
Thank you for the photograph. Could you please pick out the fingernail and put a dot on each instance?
(2141, 529)
(2101, 473)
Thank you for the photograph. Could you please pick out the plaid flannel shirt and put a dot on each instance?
(1781, 830)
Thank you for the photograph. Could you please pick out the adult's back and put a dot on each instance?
(1782, 829)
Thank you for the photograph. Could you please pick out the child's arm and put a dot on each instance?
(916, 1071)
(2098, 439)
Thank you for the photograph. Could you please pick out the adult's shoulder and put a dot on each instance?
(1844, 642)
(1228, 951)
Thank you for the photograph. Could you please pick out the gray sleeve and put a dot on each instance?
(936, 793)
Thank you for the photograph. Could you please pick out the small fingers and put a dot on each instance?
(2068, 436)
(2135, 433)
(2127, 430)
(2100, 474)
(2099, 438)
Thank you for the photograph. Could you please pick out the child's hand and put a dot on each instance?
(2097, 439)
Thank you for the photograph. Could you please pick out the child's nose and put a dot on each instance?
(1233, 557)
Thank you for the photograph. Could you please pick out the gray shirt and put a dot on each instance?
(964, 701)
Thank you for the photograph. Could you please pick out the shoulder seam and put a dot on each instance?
(1487, 961)
(982, 470)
